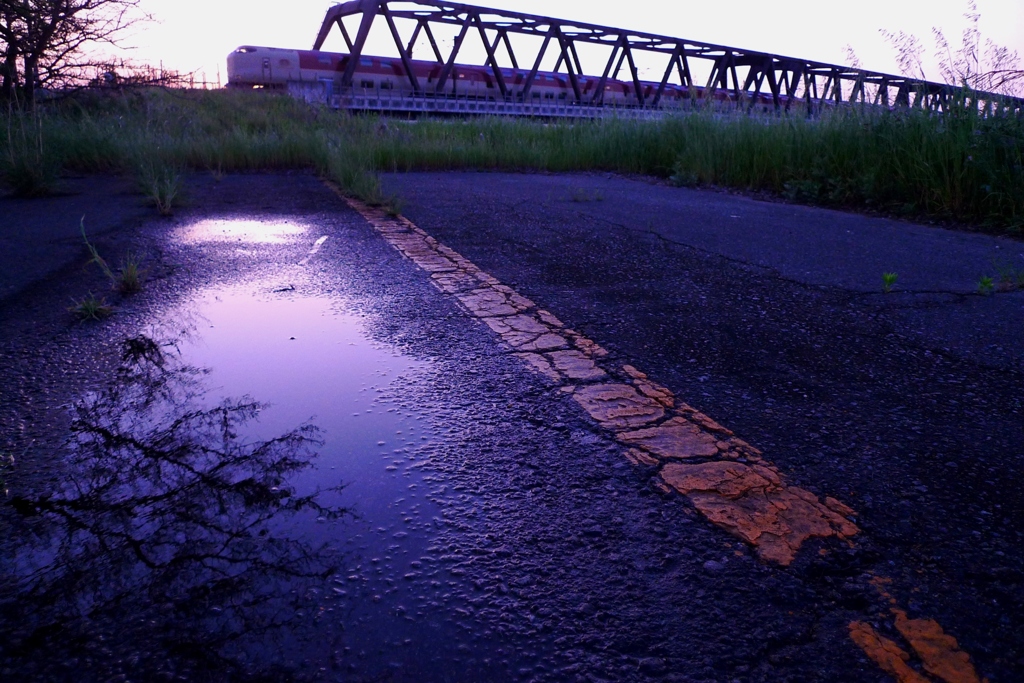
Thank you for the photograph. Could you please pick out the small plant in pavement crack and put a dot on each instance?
(91, 308)
(162, 185)
(96, 258)
(129, 279)
(1011, 278)
(682, 177)
(888, 281)
(986, 285)
(393, 205)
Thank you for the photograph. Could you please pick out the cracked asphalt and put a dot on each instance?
(556, 557)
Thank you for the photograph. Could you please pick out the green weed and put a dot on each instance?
(161, 184)
(129, 279)
(986, 285)
(1010, 277)
(91, 308)
(959, 165)
(96, 258)
(31, 177)
(31, 168)
(889, 281)
(393, 206)
(808, 191)
(683, 178)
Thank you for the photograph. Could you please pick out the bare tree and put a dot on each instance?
(977, 64)
(44, 42)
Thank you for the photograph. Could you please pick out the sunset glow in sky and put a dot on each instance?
(198, 34)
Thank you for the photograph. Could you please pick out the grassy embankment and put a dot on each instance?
(958, 166)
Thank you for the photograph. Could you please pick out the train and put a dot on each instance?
(277, 68)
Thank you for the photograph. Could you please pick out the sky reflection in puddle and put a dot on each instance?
(312, 363)
(190, 512)
(159, 535)
(242, 231)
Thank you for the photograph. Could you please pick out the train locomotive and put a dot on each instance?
(276, 68)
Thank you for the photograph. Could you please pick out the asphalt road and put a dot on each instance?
(555, 558)
(938, 270)
(39, 243)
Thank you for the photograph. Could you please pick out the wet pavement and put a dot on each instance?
(552, 472)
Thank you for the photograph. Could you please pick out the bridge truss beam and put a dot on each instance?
(744, 77)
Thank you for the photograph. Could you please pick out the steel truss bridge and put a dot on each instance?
(730, 74)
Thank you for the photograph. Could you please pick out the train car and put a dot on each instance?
(276, 68)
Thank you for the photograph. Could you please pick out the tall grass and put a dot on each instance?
(28, 166)
(959, 165)
(160, 184)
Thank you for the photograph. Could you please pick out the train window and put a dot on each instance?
(549, 96)
(366, 62)
(245, 50)
(562, 95)
(366, 84)
(324, 60)
(384, 85)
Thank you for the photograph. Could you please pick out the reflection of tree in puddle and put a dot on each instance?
(163, 554)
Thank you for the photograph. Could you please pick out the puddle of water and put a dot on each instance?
(174, 518)
(312, 363)
(242, 231)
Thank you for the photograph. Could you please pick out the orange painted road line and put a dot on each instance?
(724, 477)
(889, 656)
(939, 654)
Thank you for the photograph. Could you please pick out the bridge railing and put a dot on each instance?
(370, 100)
(733, 75)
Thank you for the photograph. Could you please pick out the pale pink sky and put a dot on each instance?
(198, 34)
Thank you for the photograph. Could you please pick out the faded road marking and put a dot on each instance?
(312, 252)
(724, 477)
(939, 653)
(889, 656)
(752, 502)
(762, 510)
